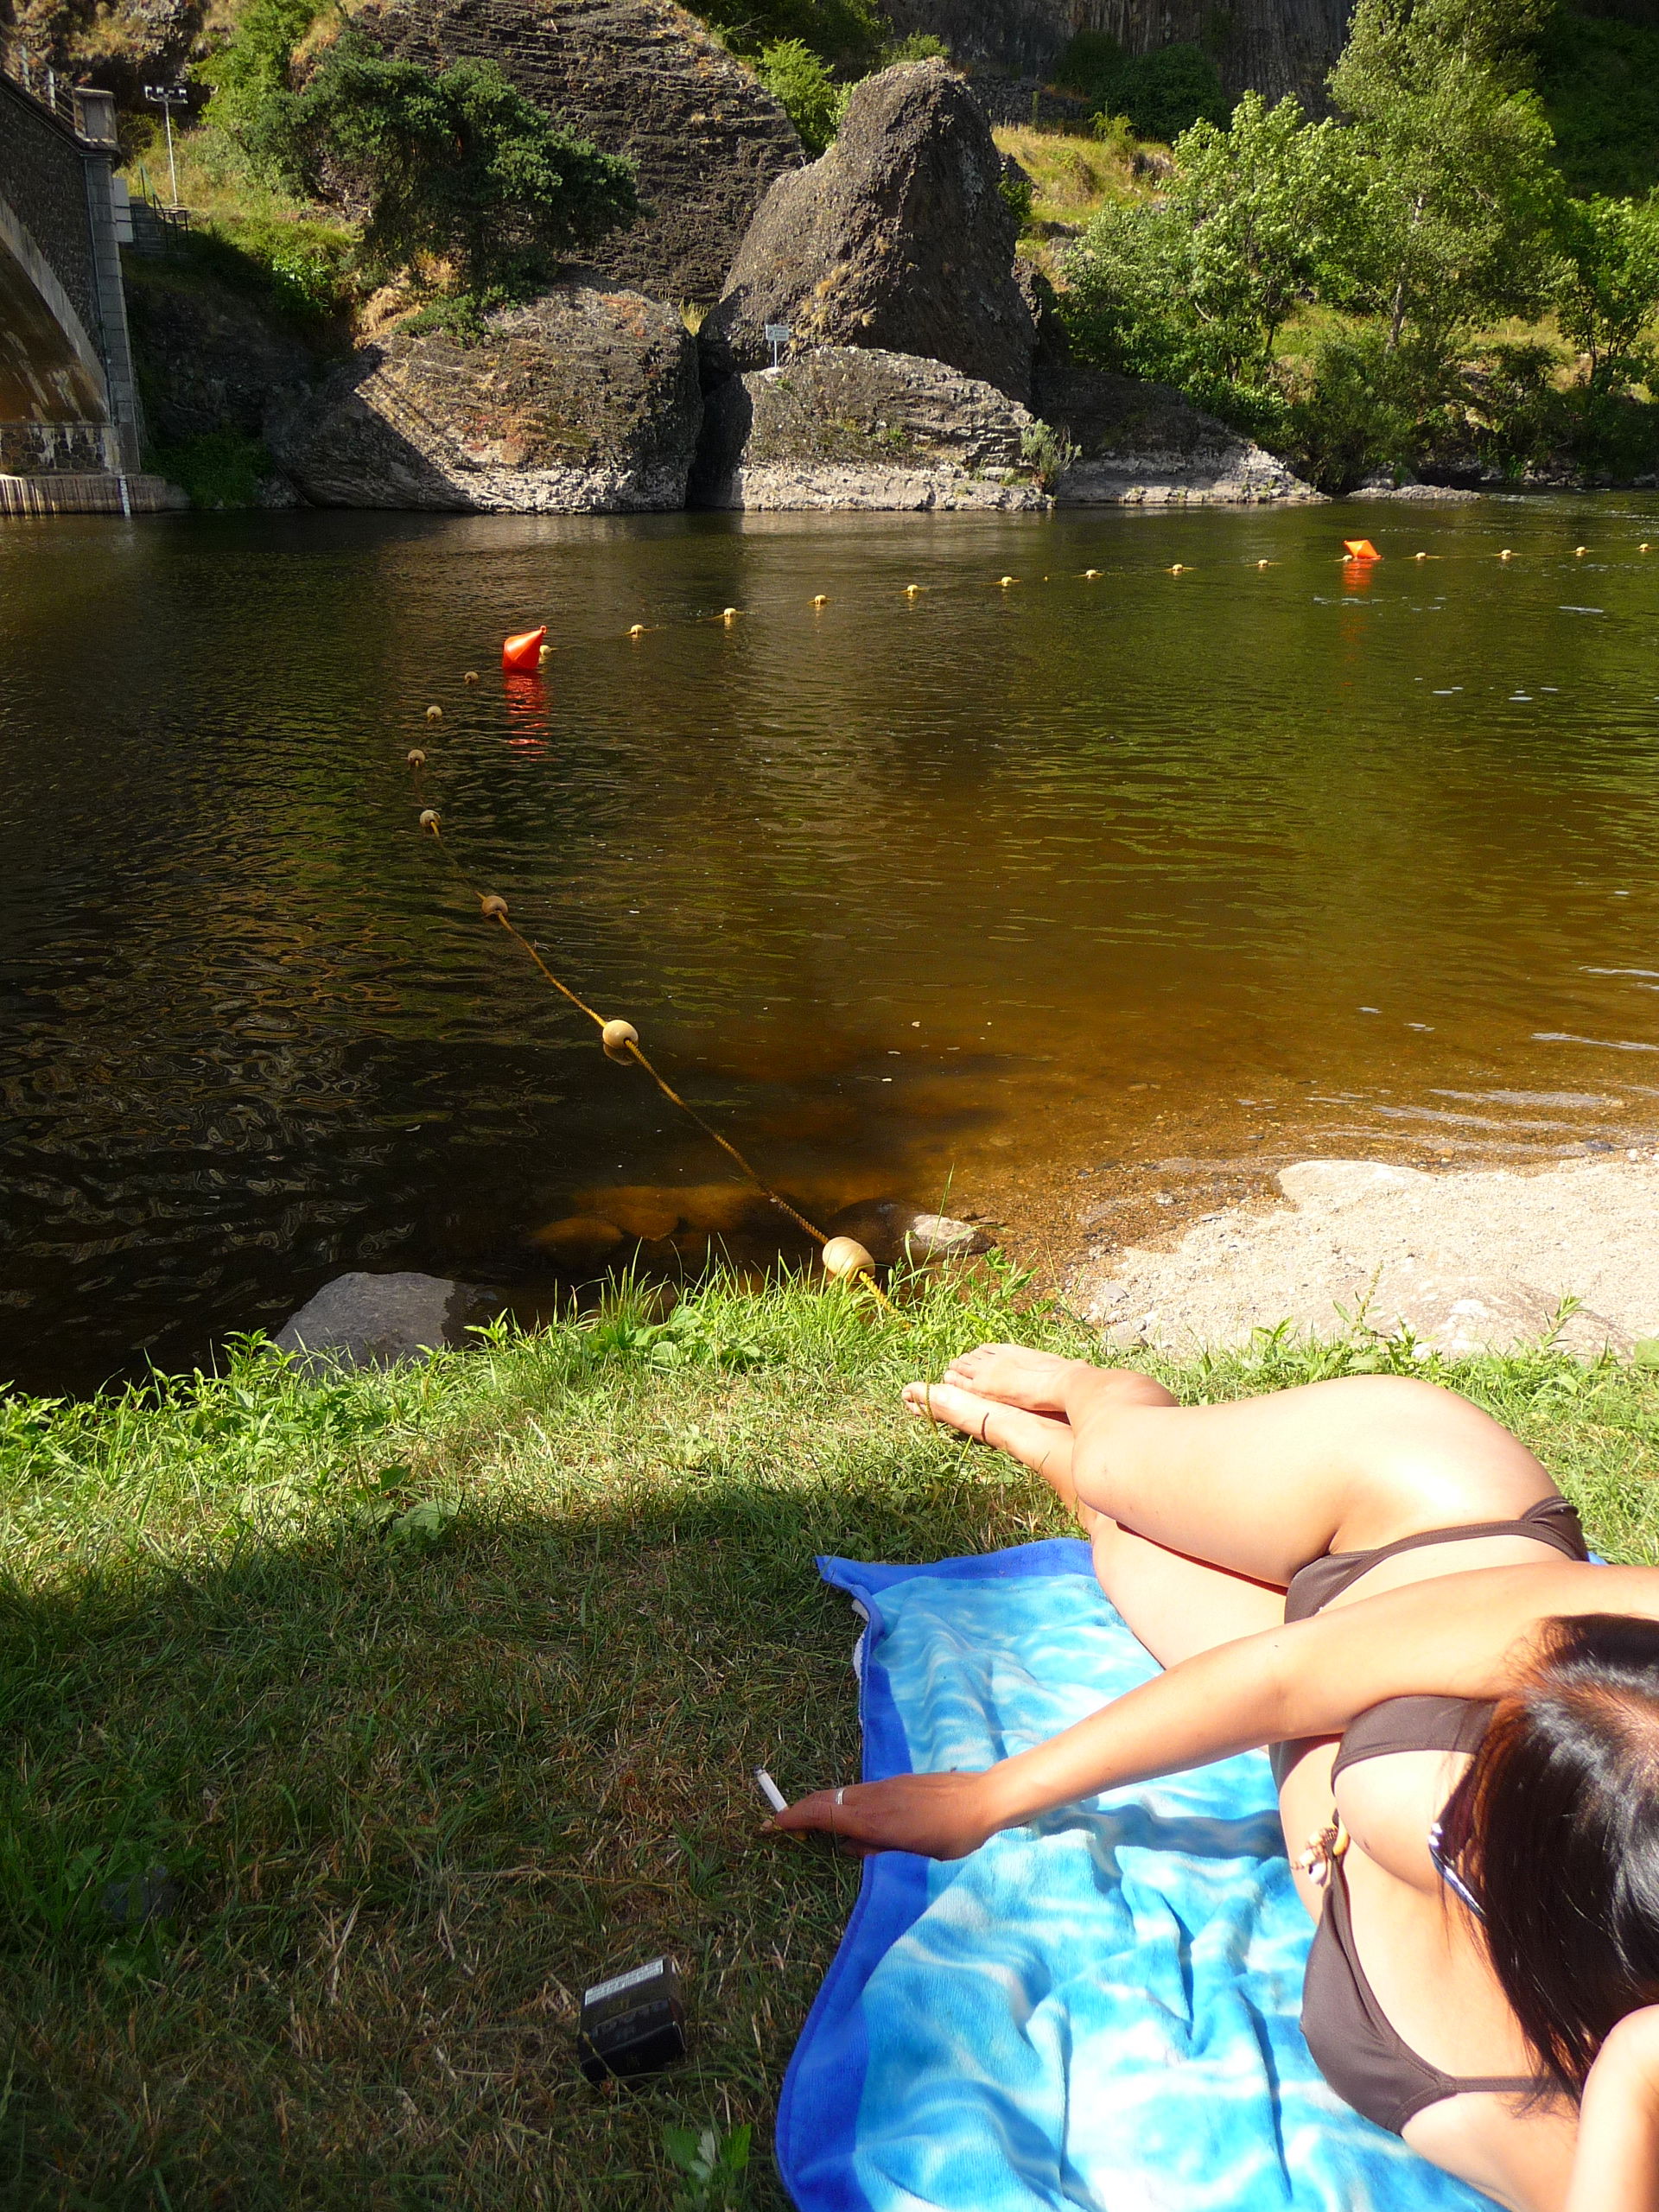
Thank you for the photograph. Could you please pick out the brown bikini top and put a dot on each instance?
(1354, 2044)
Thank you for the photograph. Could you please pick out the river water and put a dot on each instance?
(1032, 897)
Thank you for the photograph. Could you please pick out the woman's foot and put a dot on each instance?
(1037, 1441)
(1015, 1375)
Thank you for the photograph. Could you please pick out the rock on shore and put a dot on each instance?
(898, 237)
(584, 400)
(1144, 445)
(859, 428)
(1466, 1262)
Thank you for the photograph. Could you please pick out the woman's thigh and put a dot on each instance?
(1177, 1605)
(1260, 1486)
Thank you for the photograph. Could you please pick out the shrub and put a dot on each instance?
(1159, 94)
(220, 469)
(809, 95)
(459, 166)
(1047, 453)
(1018, 190)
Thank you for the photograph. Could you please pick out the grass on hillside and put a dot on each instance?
(1074, 177)
(436, 1693)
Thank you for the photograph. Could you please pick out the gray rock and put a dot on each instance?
(642, 78)
(891, 1232)
(1144, 445)
(846, 426)
(898, 237)
(362, 1321)
(584, 400)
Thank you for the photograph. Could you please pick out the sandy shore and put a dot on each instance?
(1486, 1259)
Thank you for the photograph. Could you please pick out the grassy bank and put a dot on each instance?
(435, 1694)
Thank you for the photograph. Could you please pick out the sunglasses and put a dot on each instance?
(1446, 1842)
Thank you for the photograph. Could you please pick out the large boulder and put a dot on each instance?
(898, 237)
(1144, 445)
(642, 78)
(851, 427)
(583, 402)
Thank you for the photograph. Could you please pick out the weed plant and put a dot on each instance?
(355, 1724)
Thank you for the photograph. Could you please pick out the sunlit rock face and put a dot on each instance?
(898, 237)
(584, 401)
(855, 428)
(641, 78)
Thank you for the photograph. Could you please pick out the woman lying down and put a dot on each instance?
(1378, 1582)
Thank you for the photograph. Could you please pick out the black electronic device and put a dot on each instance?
(633, 2024)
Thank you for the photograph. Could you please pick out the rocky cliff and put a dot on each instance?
(641, 78)
(1272, 46)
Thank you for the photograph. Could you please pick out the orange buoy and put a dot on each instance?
(523, 651)
(1360, 549)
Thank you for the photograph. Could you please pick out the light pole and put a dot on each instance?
(167, 98)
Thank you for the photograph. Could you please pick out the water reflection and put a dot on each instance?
(1073, 895)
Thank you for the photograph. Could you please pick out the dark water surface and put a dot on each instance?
(1008, 887)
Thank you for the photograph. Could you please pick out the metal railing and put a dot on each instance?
(50, 86)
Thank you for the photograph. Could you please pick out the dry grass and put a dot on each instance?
(438, 1694)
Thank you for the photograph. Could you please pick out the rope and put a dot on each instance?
(621, 1042)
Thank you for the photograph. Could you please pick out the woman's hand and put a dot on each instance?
(940, 1815)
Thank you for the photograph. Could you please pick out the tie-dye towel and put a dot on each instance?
(1099, 2010)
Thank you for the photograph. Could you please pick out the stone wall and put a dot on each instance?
(42, 180)
(641, 78)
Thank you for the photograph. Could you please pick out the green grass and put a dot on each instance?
(437, 1694)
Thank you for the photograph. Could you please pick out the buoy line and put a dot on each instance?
(843, 1257)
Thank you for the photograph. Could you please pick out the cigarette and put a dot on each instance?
(769, 1789)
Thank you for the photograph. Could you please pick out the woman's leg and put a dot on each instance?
(1260, 1486)
(1175, 1605)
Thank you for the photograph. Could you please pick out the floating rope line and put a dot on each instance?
(841, 1256)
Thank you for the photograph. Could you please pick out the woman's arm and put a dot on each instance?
(1457, 1636)
(1615, 2163)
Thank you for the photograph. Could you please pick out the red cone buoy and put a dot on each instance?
(1360, 549)
(525, 651)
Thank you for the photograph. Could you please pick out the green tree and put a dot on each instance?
(249, 78)
(1194, 288)
(458, 166)
(1455, 198)
(803, 87)
(1609, 283)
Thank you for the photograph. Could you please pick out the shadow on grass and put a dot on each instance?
(413, 1798)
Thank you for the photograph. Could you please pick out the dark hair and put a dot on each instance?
(1561, 1811)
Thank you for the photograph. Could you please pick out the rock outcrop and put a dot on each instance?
(857, 427)
(642, 78)
(208, 359)
(1144, 445)
(585, 401)
(898, 237)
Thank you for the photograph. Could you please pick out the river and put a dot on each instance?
(1006, 894)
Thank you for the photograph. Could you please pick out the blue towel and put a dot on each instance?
(1096, 2010)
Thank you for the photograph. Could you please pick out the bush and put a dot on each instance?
(1160, 94)
(809, 95)
(1018, 190)
(849, 35)
(221, 469)
(459, 166)
(1369, 408)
